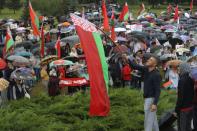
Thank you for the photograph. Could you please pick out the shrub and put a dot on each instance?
(60, 113)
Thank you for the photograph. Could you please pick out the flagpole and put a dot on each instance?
(116, 44)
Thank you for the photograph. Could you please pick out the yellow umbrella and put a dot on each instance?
(3, 84)
(66, 24)
(174, 62)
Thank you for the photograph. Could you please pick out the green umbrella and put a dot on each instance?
(60, 63)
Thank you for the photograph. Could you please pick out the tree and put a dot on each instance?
(2, 4)
(25, 15)
(14, 4)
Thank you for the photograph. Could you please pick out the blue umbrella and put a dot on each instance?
(24, 54)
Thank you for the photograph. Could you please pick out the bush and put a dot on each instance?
(43, 113)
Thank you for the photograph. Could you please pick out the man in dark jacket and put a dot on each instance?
(195, 107)
(152, 81)
(185, 98)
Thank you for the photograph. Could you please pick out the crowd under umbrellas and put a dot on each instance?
(138, 39)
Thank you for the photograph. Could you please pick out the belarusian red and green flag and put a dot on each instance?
(141, 9)
(191, 5)
(42, 41)
(124, 15)
(113, 34)
(9, 42)
(105, 17)
(97, 67)
(58, 47)
(34, 21)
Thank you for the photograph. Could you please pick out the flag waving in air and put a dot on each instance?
(142, 9)
(113, 34)
(176, 13)
(191, 5)
(169, 9)
(42, 42)
(9, 42)
(105, 18)
(58, 47)
(124, 15)
(97, 67)
(34, 21)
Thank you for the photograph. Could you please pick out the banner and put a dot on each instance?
(73, 82)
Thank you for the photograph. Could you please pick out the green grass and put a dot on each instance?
(7, 13)
(68, 113)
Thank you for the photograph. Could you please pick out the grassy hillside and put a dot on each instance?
(63, 113)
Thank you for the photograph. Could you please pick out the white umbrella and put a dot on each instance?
(182, 50)
(119, 29)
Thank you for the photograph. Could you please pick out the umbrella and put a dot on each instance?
(155, 49)
(166, 56)
(25, 44)
(119, 29)
(54, 31)
(18, 59)
(48, 59)
(66, 24)
(194, 73)
(174, 62)
(182, 50)
(22, 74)
(71, 40)
(2, 64)
(120, 49)
(3, 84)
(60, 63)
(24, 54)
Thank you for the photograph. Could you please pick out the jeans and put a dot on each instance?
(195, 117)
(184, 121)
(150, 122)
(45, 84)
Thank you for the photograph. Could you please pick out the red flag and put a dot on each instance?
(113, 34)
(169, 9)
(58, 48)
(176, 13)
(142, 9)
(124, 15)
(191, 5)
(105, 18)
(97, 67)
(34, 21)
(42, 42)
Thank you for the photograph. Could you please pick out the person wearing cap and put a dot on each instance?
(152, 80)
(185, 98)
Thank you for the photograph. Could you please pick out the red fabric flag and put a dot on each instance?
(113, 34)
(105, 17)
(124, 15)
(191, 5)
(142, 9)
(42, 42)
(176, 13)
(169, 9)
(58, 48)
(97, 67)
(34, 21)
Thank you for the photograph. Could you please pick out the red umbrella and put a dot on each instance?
(2, 64)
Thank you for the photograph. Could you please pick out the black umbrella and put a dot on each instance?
(25, 44)
(175, 41)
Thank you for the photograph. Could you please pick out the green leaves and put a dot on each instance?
(65, 113)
